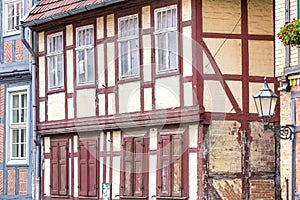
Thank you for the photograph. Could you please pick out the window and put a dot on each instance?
(59, 166)
(166, 38)
(88, 168)
(13, 11)
(132, 182)
(17, 123)
(170, 165)
(128, 46)
(55, 60)
(85, 54)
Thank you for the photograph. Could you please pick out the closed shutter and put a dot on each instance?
(92, 166)
(83, 165)
(54, 168)
(127, 181)
(176, 176)
(63, 168)
(165, 161)
(138, 166)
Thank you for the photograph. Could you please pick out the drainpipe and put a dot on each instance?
(36, 140)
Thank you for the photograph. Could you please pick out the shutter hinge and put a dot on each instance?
(181, 187)
(159, 187)
(123, 145)
(50, 186)
(142, 188)
(66, 186)
(78, 186)
(95, 187)
(159, 142)
(66, 147)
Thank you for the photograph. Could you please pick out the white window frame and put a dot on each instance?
(85, 63)
(128, 39)
(55, 54)
(166, 31)
(10, 160)
(5, 4)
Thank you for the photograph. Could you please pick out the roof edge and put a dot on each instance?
(69, 13)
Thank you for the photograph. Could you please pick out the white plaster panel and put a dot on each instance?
(75, 139)
(42, 78)
(47, 177)
(147, 58)
(193, 183)
(186, 10)
(167, 92)
(70, 108)
(187, 52)
(100, 30)
(188, 94)
(116, 176)
(236, 89)
(47, 144)
(110, 24)
(85, 102)
(70, 177)
(129, 97)
(101, 141)
(229, 57)
(56, 106)
(101, 174)
(193, 136)
(146, 23)
(41, 41)
(215, 98)
(111, 104)
(107, 141)
(152, 175)
(107, 170)
(101, 66)
(153, 139)
(116, 140)
(42, 111)
(111, 64)
(75, 176)
(102, 104)
(70, 71)
(69, 35)
(148, 99)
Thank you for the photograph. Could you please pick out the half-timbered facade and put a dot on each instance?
(17, 168)
(153, 99)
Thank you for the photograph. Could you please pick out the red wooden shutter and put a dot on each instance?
(54, 168)
(63, 167)
(138, 166)
(92, 168)
(127, 167)
(176, 177)
(83, 163)
(165, 166)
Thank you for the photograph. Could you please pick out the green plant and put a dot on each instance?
(289, 34)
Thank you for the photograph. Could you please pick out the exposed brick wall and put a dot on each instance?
(8, 51)
(11, 181)
(262, 190)
(19, 50)
(1, 142)
(1, 182)
(23, 181)
(1, 101)
(262, 149)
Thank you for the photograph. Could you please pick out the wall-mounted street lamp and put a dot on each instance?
(265, 102)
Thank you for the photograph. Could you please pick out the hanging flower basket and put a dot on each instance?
(289, 34)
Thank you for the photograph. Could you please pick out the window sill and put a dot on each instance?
(166, 73)
(55, 90)
(133, 197)
(11, 33)
(175, 198)
(84, 197)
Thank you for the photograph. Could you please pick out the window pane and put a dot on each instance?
(15, 108)
(161, 50)
(124, 58)
(23, 108)
(15, 149)
(15, 136)
(134, 56)
(90, 63)
(172, 50)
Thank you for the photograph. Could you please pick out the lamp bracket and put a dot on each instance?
(286, 132)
